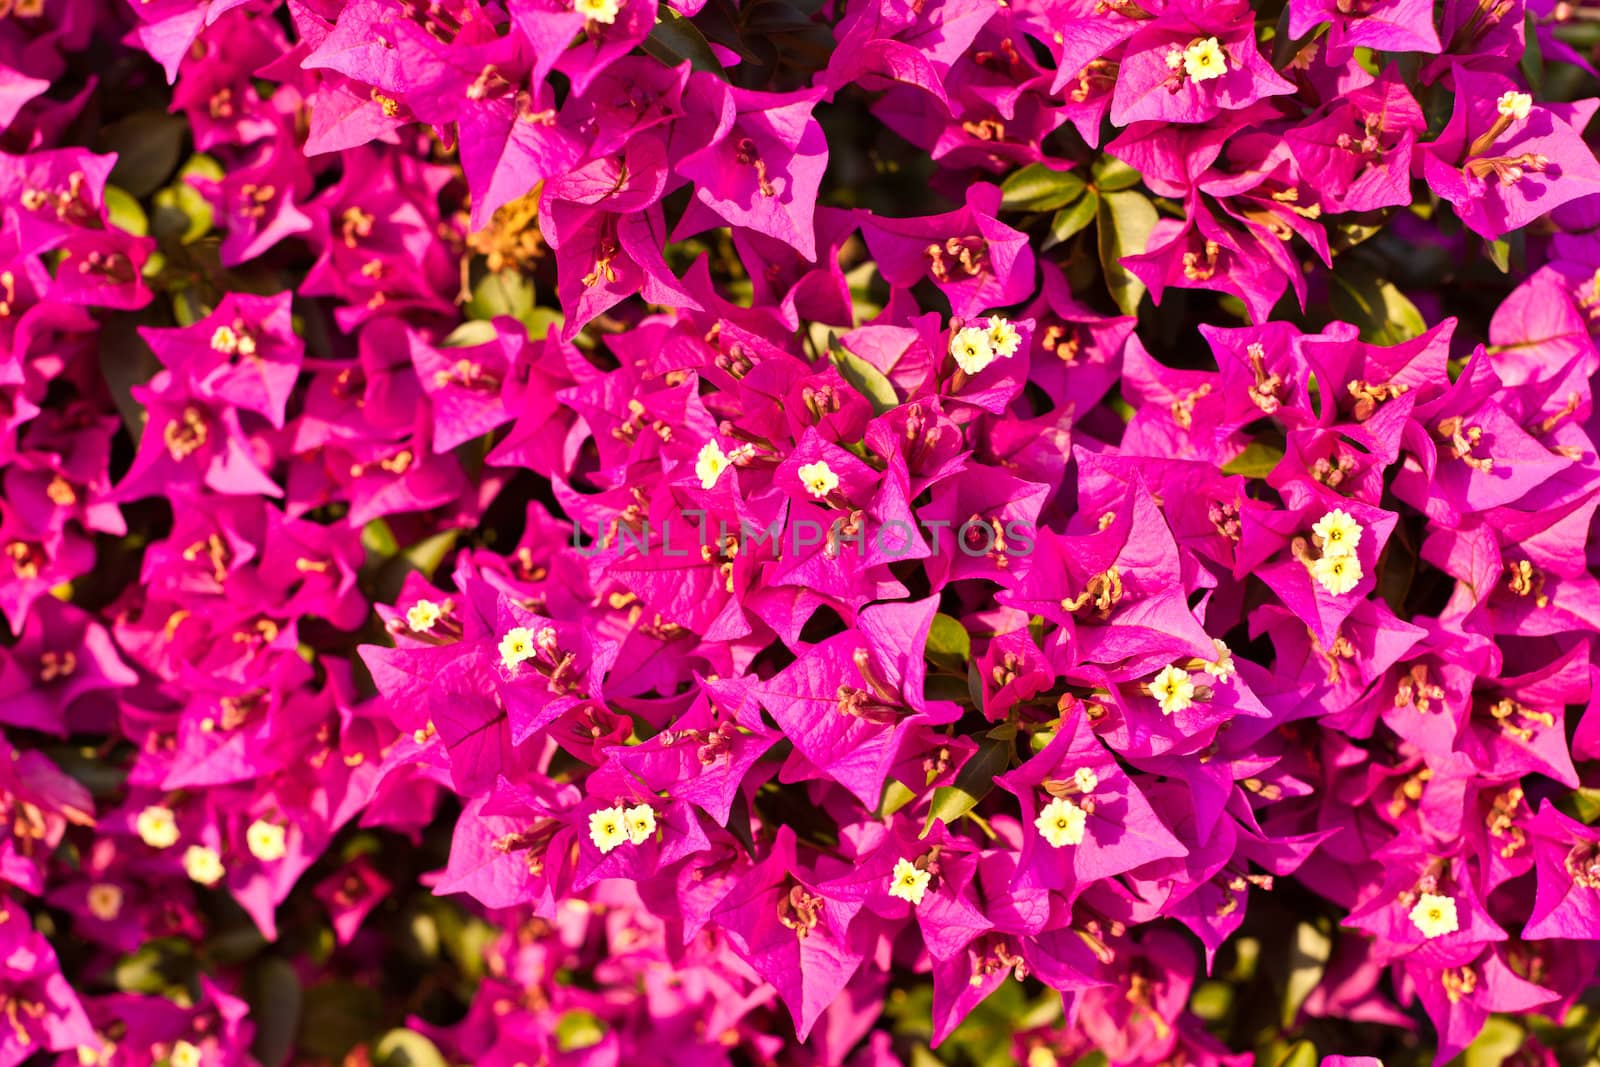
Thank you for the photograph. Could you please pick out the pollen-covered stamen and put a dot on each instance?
(1202, 266)
(799, 910)
(1513, 718)
(1183, 407)
(821, 401)
(253, 199)
(114, 267)
(958, 258)
(1006, 671)
(747, 154)
(1332, 474)
(53, 665)
(992, 954)
(1461, 440)
(1267, 392)
(216, 552)
(860, 704)
(1102, 593)
(442, 25)
(1458, 982)
(1416, 691)
(1366, 142)
(1097, 76)
(986, 537)
(1408, 792)
(27, 558)
(1582, 864)
(185, 435)
(22, 9)
(1224, 518)
(1062, 340)
(1340, 649)
(489, 83)
(467, 374)
(1508, 169)
(606, 248)
(1368, 396)
(1501, 821)
(1526, 580)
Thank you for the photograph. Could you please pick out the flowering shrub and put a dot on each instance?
(798, 532)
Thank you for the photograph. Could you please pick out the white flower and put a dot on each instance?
(712, 462)
(203, 864)
(1514, 105)
(908, 883)
(157, 827)
(422, 615)
(605, 11)
(1222, 667)
(971, 348)
(640, 823)
(608, 828)
(267, 841)
(1085, 780)
(1338, 533)
(1435, 916)
(185, 1054)
(818, 478)
(516, 646)
(1172, 689)
(1004, 339)
(1337, 574)
(1061, 822)
(1204, 60)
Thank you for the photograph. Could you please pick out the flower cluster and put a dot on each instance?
(414, 415)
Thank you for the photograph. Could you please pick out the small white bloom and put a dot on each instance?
(1435, 916)
(1514, 105)
(908, 883)
(267, 840)
(203, 864)
(712, 462)
(641, 823)
(1204, 60)
(1337, 574)
(1085, 780)
(1061, 822)
(608, 828)
(1338, 532)
(971, 348)
(1004, 340)
(1222, 667)
(422, 615)
(1172, 689)
(605, 11)
(185, 1054)
(517, 646)
(157, 827)
(818, 478)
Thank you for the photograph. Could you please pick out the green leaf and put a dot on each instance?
(896, 795)
(866, 379)
(1125, 221)
(124, 212)
(579, 1029)
(1073, 218)
(1039, 188)
(1308, 959)
(676, 39)
(126, 361)
(275, 997)
(504, 292)
(1499, 1039)
(1586, 805)
(470, 333)
(1112, 174)
(406, 1048)
(1256, 461)
(1532, 55)
(1300, 1054)
(147, 144)
(337, 1016)
(1375, 307)
(949, 645)
(972, 784)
